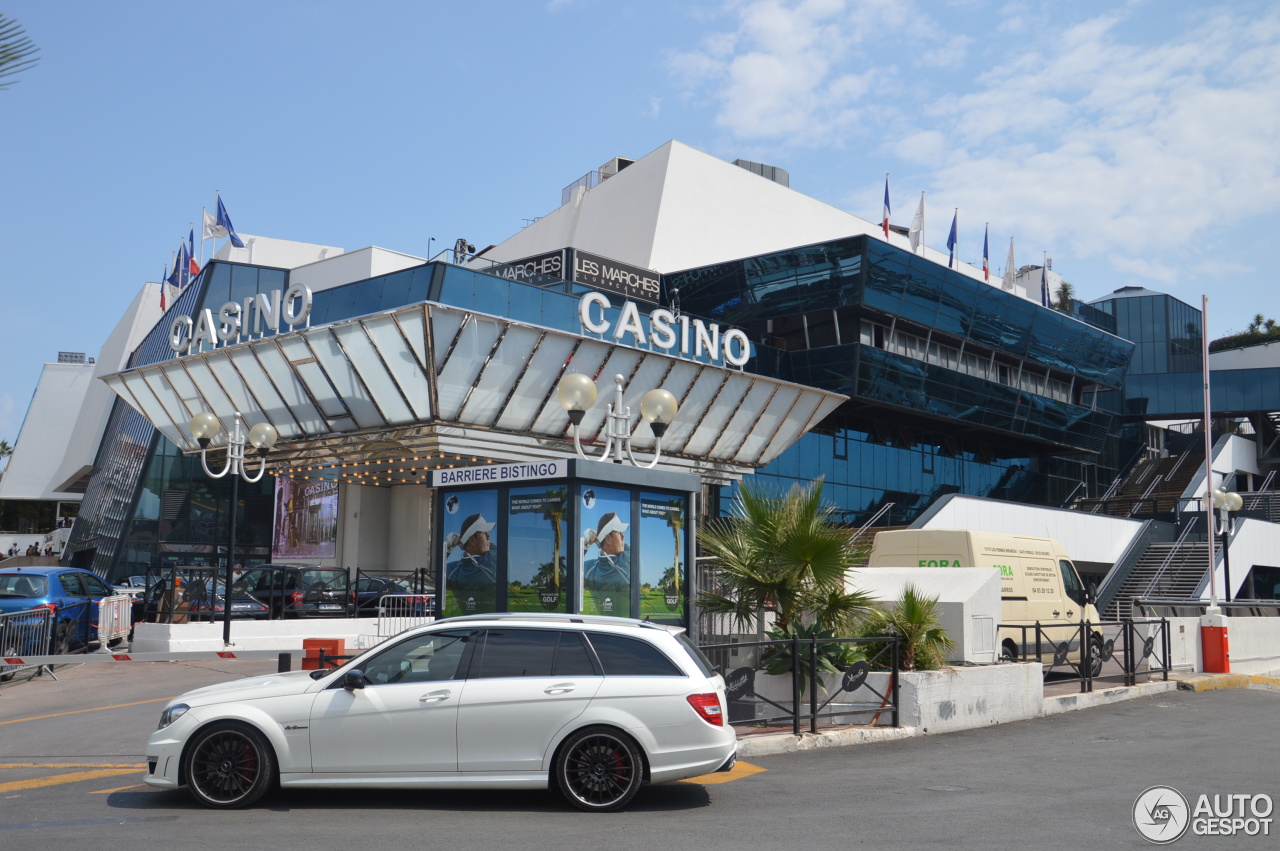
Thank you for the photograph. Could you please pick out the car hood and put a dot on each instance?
(252, 688)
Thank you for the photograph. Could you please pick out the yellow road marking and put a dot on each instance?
(4, 765)
(742, 769)
(60, 779)
(78, 711)
(118, 789)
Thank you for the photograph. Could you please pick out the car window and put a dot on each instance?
(97, 588)
(335, 579)
(696, 654)
(430, 657)
(71, 584)
(629, 657)
(23, 585)
(517, 653)
(1071, 582)
(573, 659)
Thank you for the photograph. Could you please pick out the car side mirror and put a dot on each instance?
(354, 680)
(1091, 593)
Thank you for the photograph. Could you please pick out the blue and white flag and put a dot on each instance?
(224, 221)
(952, 241)
(986, 255)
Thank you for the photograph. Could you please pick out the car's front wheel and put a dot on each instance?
(599, 769)
(229, 765)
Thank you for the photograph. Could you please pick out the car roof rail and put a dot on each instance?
(556, 617)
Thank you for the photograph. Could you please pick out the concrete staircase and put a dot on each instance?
(1186, 567)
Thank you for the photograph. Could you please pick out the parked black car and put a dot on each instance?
(292, 591)
(368, 592)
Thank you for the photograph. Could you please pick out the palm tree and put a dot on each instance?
(923, 641)
(553, 511)
(675, 520)
(1066, 292)
(782, 554)
(17, 51)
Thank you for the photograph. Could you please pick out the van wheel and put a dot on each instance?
(1095, 656)
(1008, 653)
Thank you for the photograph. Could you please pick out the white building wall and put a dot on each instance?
(409, 528)
(351, 266)
(281, 253)
(1087, 537)
(46, 433)
(1254, 357)
(91, 420)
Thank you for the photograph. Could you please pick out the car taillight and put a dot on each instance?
(52, 607)
(708, 708)
(297, 597)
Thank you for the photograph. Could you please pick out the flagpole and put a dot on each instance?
(204, 211)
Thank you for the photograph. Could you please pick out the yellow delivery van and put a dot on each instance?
(1038, 583)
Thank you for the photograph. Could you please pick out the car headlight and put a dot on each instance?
(171, 714)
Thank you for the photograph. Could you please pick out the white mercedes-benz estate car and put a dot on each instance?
(593, 706)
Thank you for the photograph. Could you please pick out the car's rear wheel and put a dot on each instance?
(599, 769)
(229, 765)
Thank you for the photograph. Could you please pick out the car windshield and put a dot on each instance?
(334, 579)
(23, 585)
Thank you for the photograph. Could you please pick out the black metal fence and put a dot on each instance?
(1123, 652)
(828, 681)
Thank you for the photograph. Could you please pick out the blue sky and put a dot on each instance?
(1134, 142)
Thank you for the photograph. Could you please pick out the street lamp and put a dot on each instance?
(576, 393)
(263, 436)
(1227, 503)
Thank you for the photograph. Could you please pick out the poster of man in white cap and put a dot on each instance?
(471, 559)
(606, 559)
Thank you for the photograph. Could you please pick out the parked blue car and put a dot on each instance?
(72, 593)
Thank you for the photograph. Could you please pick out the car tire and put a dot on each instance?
(1008, 653)
(229, 765)
(61, 645)
(10, 649)
(599, 769)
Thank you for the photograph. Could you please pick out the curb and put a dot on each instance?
(780, 743)
(1213, 682)
(1087, 700)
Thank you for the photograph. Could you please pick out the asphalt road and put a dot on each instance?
(71, 753)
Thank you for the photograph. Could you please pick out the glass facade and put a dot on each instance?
(955, 386)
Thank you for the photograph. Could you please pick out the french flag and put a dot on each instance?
(193, 267)
(886, 206)
(986, 260)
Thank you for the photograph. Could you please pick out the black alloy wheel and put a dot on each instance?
(229, 765)
(599, 769)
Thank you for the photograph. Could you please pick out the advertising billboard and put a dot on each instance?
(538, 549)
(604, 534)
(662, 555)
(305, 522)
(470, 551)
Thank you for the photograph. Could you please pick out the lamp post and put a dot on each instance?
(263, 436)
(1227, 503)
(576, 393)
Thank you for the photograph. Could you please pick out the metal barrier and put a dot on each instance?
(861, 701)
(115, 618)
(23, 634)
(1123, 652)
(398, 612)
(1181, 608)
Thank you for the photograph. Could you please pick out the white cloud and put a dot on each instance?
(1096, 138)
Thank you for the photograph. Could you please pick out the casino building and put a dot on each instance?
(420, 427)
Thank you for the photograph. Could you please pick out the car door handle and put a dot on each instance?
(559, 688)
(1070, 613)
(435, 696)
(1056, 613)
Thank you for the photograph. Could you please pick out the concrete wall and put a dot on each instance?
(285, 636)
(409, 528)
(942, 701)
(1087, 537)
(1253, 645)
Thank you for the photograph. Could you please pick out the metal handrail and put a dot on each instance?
(1072, 495)
(1164, 565)
(1157, 480)
(868, 524)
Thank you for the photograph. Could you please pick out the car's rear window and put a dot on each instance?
(695, 653)
(335, 579)
(629, 657)
(23, 585)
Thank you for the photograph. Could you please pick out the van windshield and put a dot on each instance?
(1071, 582)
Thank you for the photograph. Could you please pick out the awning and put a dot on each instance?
(427, 385)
